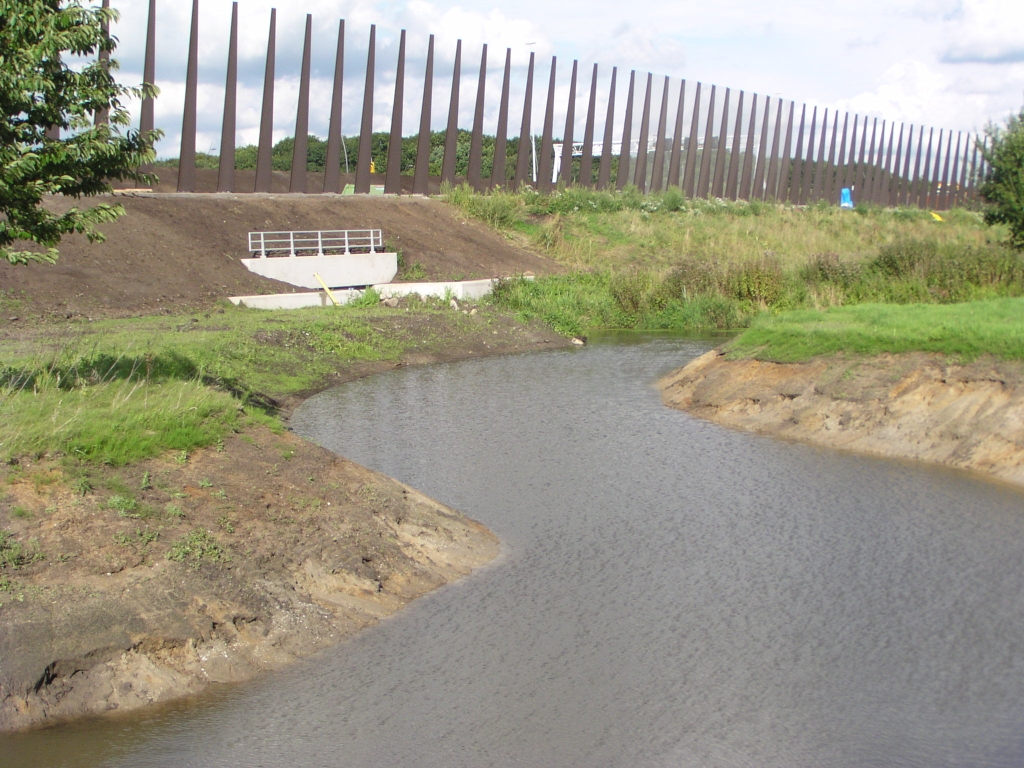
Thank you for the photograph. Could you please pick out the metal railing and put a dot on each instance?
(316, 243)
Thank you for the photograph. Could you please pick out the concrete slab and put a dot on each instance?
(463, 289)
(337, 271)
(293, 300)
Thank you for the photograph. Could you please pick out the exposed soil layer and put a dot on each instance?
(916, 406)
(171, 251)
(233, 560)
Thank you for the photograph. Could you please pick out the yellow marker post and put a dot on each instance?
(936, 216)
(326, 289)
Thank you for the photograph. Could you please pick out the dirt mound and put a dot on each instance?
(174, 251)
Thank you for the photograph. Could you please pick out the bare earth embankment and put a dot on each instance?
(916, 406)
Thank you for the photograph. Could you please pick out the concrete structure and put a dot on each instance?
(339, 271)
(464, 289)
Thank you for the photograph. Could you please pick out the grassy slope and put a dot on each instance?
(118, 391)
(663, 262)
(962, 331)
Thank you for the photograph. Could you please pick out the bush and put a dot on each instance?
(1003, 186)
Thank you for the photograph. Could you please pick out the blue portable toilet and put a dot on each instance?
(846, 199)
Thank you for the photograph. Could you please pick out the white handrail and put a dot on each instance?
(318, 242)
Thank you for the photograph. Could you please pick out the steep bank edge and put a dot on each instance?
(918, 406)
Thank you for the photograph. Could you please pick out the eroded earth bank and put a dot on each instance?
(236, 559)
(916, 406)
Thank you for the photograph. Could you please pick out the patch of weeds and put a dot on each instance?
(181, 457)
(146, 483)
(146, 536)
(219, 445)
(83, 486)
(123, 505)
(179, 495)
(173, 510)
(123, 539)
(196, 546)
(226, 524)
(220, 493)
(21, 512)
(287, 453)
(204, 483)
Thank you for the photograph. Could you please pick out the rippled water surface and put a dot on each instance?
(670, 593)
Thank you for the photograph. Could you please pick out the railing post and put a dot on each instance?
(291, 243)
(263, 245)
(347, 252)
(319, 243)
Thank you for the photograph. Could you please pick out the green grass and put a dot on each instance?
(961, 331)
(125, 390)
(586, 229)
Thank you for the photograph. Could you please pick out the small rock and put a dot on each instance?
(390, 302)
(472, 311)
(578, 341)
(453, 304)
(12, 319)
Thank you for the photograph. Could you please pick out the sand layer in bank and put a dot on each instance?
(917, 406)
(278, 548)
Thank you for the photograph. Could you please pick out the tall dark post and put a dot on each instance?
(587, 159)
(393, 179)
(757, 189)
(332, 168)
(565, 170)
(906, 187)
(942, 199)
(748, 157)
(819, 163)
(718, 185)
(476, 141)
(796, 162)
(934, 172)
(525, 138)
(848, 171)
(676, 157)
(926, 175)
(187, 157)
(451, 135)
(896, 178)
(226, 172)
(421, 176)
(362, 185)
(858, 179)
(146, 121)
(300, 148)
(886, 173)
(772, 183)
(640, 175)
(734, 157)
(263, 158)
(954, 191)
(605, 169)
(690, 172)
(865, 160)
(102, 116)
(501, 136)
(704, 182)
(544, 182)
(829, 191)
(808, 176)
(914, 197)
(658, 172)
(623, 176)
(874, 157)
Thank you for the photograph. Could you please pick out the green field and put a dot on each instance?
(962, 332)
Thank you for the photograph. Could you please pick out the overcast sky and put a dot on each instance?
(945, 63)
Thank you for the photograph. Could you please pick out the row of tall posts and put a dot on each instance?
(881, 162)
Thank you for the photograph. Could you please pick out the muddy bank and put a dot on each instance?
(916, 406)
(237, 559)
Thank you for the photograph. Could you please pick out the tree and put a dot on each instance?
(40, 92)
(1003, 186)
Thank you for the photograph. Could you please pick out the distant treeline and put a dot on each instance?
(316, 155)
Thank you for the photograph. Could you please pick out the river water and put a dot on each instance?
(670, 593)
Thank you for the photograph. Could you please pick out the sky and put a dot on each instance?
(954, 64)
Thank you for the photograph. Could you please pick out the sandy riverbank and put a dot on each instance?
(916, 406)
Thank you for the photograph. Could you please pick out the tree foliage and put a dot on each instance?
(43, 87)
(1003, 186)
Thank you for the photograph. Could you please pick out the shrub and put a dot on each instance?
(1003, 186)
